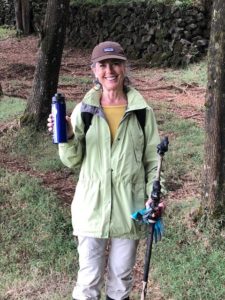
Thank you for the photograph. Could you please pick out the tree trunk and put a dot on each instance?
(214, 167)
(18, 15)
(25, 16)
(208, 4)
(22, 14)
(48, 65)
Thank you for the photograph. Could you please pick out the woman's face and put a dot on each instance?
(110, 73)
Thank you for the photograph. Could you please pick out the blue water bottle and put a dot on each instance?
(59, 119)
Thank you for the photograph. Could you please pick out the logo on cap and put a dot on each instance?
(108, 50)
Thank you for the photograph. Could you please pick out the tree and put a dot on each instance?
(207, 4)
(48, 64)
(22, 14)
(214, 167)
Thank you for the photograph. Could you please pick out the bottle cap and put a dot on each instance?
(57, 97)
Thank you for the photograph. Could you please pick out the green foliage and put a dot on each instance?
(35, 230)
(36, 147)
(185, 155)
(11, 107)
(70, 80)
(193, 74)
(189, 264)
(37, 247)
(6, 32)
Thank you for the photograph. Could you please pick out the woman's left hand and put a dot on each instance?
(159, 210)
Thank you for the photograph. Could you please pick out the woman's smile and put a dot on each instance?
(110, 73)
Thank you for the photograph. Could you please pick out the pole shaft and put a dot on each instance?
(148, 252)
(147, 260)
(159, 167)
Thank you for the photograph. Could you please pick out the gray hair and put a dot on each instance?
(126, 83)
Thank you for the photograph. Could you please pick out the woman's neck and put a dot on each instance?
(113, 98)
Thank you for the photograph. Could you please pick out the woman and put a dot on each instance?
(118, 163)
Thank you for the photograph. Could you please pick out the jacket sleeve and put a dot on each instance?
(72, 152)
(150, 157)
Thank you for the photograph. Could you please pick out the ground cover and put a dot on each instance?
(38, 258)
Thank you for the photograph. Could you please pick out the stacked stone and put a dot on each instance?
(159, 34)
(7, 15)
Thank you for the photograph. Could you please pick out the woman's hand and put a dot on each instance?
(158, 210)
(50, 125)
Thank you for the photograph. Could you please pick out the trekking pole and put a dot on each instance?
(152, 215)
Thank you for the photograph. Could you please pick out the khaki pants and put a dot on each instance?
(92, 261)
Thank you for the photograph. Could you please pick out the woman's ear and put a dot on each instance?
(93, 68)
(97, 84)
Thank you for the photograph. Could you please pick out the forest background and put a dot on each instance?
(38, 254)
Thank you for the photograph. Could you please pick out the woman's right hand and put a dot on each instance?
(50, 125)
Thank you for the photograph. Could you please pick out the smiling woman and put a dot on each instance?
(118, 165)
(110, 73)
(108, 65)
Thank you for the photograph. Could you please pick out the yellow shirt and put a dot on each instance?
(114, 115)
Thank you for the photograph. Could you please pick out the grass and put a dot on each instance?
(189, 263)
(70, 80)
(186, 151)
(11, 107)
(185, 156)
(193, 74)
(36, 242)
(35, 148)
(7, 31)
(37, 254)
(48, 240)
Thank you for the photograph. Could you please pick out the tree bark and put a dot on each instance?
(25, 16)
(18, 15)
(214, 167)
(22, 14)
(48, 65)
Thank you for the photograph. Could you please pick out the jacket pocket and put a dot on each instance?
(86, 206)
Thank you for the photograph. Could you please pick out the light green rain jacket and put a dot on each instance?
(115, 178)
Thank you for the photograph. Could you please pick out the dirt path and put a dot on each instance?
(18, 59)
(61, 182)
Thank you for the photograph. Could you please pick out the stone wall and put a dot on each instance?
(7, 15)
(159, 34)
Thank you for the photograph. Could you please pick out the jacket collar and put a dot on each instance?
(135, 99)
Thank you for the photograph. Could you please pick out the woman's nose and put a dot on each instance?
(109, 67)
